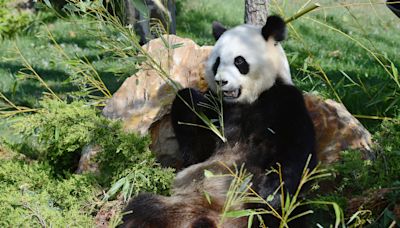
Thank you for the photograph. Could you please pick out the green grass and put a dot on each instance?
(359, 80)
(41, 53)
(194, 18)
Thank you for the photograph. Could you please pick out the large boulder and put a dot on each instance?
(143, 102)
(336, 129)
(145, 97)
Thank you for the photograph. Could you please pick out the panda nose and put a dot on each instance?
(222, 82)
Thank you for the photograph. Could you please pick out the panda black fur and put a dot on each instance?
(265, 123)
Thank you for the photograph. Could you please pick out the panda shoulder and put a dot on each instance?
(286, 99)
(286, 93)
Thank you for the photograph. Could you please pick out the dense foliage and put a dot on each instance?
(52, 142)
(29, 198)
(58, 132)
(12, 20)
(383, 172)
(368, 190)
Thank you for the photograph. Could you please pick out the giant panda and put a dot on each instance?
(265, 123)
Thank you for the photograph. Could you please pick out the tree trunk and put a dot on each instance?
(142, 22)
(129, 12)
(172, 10)
(256, 12)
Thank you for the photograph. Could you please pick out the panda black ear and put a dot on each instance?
(217, 29)
(275, 27)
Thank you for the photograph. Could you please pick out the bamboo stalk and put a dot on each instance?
(303, 12)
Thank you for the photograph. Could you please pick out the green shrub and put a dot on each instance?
(31, 197)
(58, 132)
(128, 164)
(121, 150)
(127, 155)
(142, 177)
(357, 175)
(12, 20)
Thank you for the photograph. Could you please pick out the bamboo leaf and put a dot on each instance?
(338, 214)
(287, 201)
(245, 184)
(56, 133)
(48, 4)
(177, 45)
(208, 173)
(208, 197)
(270, 198)
(125, 190)
(114, 188)
(349, 78)
(395, 72)
(239, 213)
(300, 215)
(356, 215)
(250, 221)
(141, 7)
(339, 218)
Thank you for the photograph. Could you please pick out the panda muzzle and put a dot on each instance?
(232, 93)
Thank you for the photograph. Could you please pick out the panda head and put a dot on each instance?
(247, 60)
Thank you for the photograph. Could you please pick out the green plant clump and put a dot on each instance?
(13, 20)
(359, 178)
(383, 172)
(127, 156)
(142, 177)
(57, 133)
(31, 197)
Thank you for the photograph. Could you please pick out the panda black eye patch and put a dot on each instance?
(215, 66)
(241, 64)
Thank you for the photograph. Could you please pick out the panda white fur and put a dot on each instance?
(265, 123)
(245, 61)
